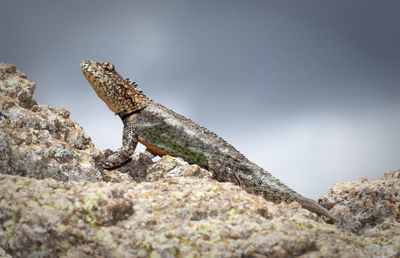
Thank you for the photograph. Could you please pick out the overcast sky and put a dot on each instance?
(309, 90)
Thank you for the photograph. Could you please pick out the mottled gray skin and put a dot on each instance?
(166, 132)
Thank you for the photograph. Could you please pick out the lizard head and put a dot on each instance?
(121, 95)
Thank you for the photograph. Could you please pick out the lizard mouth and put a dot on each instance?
(87, 67)
(97, 70)
(84, 63)
(91, 72)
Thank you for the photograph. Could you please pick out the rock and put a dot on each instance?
(40, 141)
(55, 200)
(178, 216)
(365, 203)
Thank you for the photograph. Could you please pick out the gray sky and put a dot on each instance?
(307, 89)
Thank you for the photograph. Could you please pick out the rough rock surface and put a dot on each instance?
(365, 203)
(160, 209)
(37, 140)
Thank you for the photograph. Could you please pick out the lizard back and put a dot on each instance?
(171, 133)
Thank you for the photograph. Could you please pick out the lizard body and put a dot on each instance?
(164, 132)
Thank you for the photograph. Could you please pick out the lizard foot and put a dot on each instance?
(114, 161)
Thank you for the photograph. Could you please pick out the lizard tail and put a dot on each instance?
(272, 189)
(259, 181)
(314, 206)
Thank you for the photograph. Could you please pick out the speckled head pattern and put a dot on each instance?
(121, 95)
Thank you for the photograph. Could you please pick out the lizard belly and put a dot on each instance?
(154, 149)
(165, 146)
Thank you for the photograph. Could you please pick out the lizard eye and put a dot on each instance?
(108, 67)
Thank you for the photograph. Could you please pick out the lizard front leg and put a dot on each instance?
(129, 143)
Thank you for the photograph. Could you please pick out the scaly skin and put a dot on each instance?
(164, 132)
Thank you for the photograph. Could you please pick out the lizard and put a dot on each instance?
(165, 132)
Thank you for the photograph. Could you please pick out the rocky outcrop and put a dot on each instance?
(365, 204)
(37, 140)
(56, 201)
